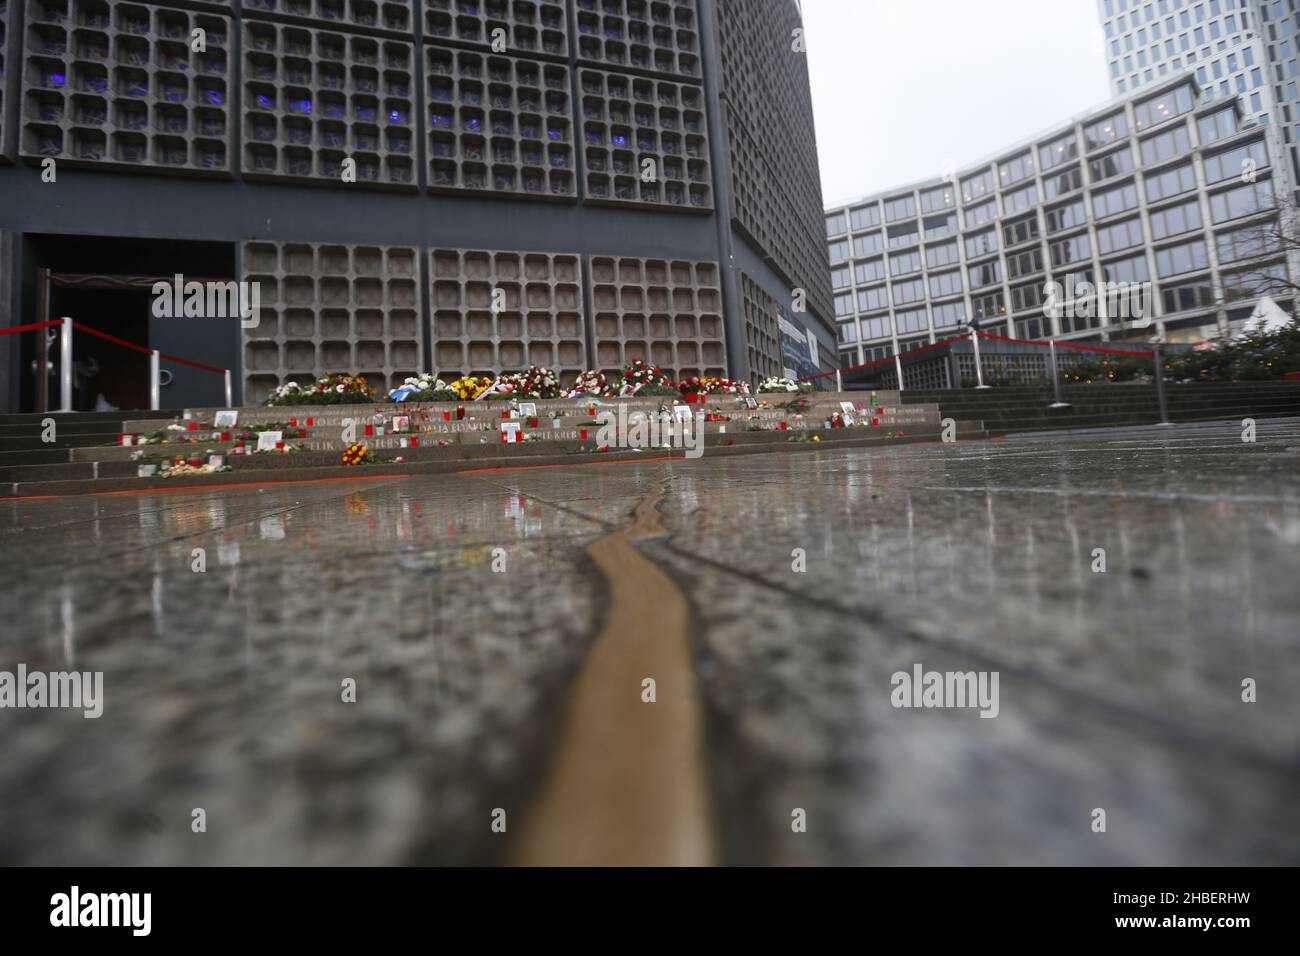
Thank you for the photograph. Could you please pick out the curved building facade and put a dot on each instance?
(1169, 189)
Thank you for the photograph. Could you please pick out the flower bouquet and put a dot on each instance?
(333, 389)
(590, 383)
(532, 382)
(469, 387)
(357, 454)
(642, 379)
(424, 387)
(784, 385)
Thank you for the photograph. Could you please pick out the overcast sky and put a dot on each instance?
(900, 86)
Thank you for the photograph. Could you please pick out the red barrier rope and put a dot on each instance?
(1066, 345)
(147, 351)
(890, 358)
(28, 328)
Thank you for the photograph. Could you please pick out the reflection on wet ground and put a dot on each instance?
(1119, 691)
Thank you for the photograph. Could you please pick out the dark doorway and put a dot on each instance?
(101, 368)
(105, 283)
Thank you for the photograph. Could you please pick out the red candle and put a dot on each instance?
(446, 416)
(414, 442)
(194, 426)
(583, 434)
(370, 430)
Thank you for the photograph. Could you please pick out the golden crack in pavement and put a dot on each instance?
(627, 784)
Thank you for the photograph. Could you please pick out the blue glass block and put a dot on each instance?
(366, 113)
(300, 106)
(214, 97)
(473, 125)
(619, 139)
(442, 120)
(554, 135)
(265, 102)
(55, 81)
(335, 110)
(136, 89)
(397, 116)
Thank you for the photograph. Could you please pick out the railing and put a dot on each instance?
(66, 326)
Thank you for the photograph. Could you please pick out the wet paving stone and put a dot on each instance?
(811, 580)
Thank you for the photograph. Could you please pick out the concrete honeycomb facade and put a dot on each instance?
(344, 153)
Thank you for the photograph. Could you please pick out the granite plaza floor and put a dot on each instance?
(771, 598)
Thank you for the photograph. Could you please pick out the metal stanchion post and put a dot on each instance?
(155, 381)
(65, 363)
(898, 366)
(979, 371)
(229, 390)
(1056, 378)
(1160, 384)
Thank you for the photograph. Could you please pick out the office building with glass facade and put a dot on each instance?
(1169, 187)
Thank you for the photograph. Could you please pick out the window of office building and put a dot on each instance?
(1246, 243)
(977, 186)
(835, 225)
(1020, 200)
(1065, 217)
(901, 263)
(848, 333)
(936, 227)
(1187, 295)
(1170, 183)
(1244, 160)
(1105, 131)
(1254, 282)
(1111, 165)
(1028, 296)
(1164, 107)
(872, 300)
(1066, 181)
(986, 273)
(1067, 251)
(981, 245)
(875, 328)
(978, 215)
(1187, 257)
(945, 283)
(1022, 230)
(949, 314)
(1242, 201)
(1218, 125)
(903, 207)
(1114, 201)
(1014, 170)
(1167, 145)
(864, 217)
(987, 306)
(1132, 269)
(1024, 263)
(843, 305)
(941, 255)
(902, 235)
(1058, 151)
(840, 277)
(1176, 220)
(867, 243)
(870, 271)
(1120, 235)
(913, 290)
(932, 200)
(911, 321)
